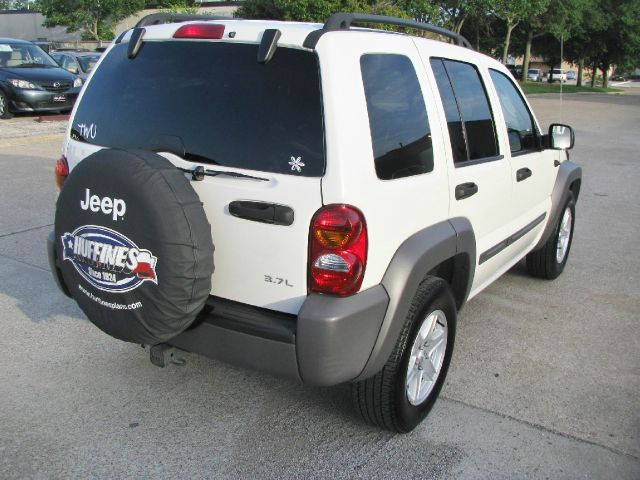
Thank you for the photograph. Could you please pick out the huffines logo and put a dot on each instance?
(107, 259)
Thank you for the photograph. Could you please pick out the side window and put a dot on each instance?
(400, 133)
(471, 121)
(454, 121)
(520, 127)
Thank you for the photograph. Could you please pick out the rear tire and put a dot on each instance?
(549, 261)
(401, 395)
(4, 106)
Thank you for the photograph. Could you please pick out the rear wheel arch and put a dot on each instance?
(445, 250)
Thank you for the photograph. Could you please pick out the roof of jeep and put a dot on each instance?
(245, 31)
(293, 34)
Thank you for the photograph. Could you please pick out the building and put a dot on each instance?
(27, 25)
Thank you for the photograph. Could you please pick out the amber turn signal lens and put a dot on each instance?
(333, 238)
(61, 171)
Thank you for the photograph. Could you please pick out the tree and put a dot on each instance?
(14, 4)
(177, 6)
(94, 18)
(617, 42)
(301, 10)
(512, 12)
(561, 19)
(456, 12)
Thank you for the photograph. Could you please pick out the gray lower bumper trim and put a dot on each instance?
(335, 336)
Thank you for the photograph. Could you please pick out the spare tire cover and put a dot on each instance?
(134, 245)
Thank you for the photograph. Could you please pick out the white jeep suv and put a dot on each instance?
(358, 185)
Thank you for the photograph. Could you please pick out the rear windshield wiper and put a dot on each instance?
(198, 173)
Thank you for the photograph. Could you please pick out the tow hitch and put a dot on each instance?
(162, 355)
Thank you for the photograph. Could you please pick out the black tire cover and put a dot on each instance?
(134, 245)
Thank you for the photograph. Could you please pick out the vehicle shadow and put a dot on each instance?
(33, 291)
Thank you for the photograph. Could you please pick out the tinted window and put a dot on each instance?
(400, 133)
(462, 80)
(454, 122)
(215, 99)
(520, 127)
(87, 62)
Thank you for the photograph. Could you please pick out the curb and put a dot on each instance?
(53, 118)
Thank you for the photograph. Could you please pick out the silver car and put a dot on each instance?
(534, 75)
(79, 63)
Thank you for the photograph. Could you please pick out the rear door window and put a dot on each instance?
(400, 133)
(214, 100)
(470, 117)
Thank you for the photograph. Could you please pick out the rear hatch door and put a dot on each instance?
(256, 128)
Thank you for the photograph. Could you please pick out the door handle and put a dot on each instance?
(523, 174)
(465, 190)
(262, 212)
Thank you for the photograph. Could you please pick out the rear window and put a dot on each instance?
(212, 99)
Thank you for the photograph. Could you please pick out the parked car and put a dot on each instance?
(557, 75)
(534, 75)
(46, 46)
(351, 219)
(77, 62)
(571, 75)
(516, 70)
(31, 81)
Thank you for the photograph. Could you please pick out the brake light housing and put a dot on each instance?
(207, 31)
(61, 171)
(337, 250)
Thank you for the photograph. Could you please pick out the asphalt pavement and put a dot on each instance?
(545, 379)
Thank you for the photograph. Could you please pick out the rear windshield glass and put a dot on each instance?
(212, 100)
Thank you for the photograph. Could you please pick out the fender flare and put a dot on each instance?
(568, 173)
(415, 258)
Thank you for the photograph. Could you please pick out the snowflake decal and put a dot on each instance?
(296, 164)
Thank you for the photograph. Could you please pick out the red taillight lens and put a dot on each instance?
(61, 171)
(209, 31)
(337, 250)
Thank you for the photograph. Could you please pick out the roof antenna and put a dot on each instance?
(561, 70)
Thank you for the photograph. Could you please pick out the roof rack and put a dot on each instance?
(168, 17)
(343, 21)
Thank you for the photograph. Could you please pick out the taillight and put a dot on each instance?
(61, 171)
(337, 250)
(210, 31)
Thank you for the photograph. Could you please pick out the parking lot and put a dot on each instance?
(545, 378)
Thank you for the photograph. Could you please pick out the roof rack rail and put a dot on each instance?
(168, 17)
(343, 21)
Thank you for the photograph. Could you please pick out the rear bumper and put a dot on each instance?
(329, 342)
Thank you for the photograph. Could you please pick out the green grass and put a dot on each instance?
(544, 87)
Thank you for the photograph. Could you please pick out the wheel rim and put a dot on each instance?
(3, 105)
(427, 357)
(564, 234)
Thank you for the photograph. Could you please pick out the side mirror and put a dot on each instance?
(561, 137)
(515, 140)
(72, 69)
